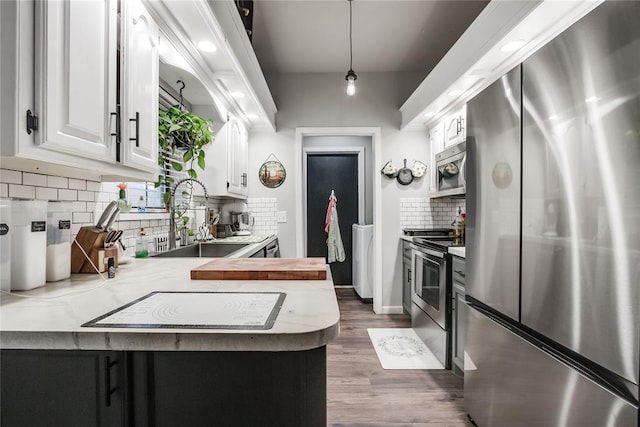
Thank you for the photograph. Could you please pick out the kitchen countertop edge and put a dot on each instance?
(458, 251)
(309, 317)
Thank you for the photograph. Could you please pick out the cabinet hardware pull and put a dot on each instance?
(108, 390)
(460, 272)
(137, 120)
(116, 116)
(32, 122)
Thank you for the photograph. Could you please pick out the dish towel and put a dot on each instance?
(335, 248)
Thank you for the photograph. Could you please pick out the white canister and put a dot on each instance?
(58, 240)
(5, 244)
(28, 244)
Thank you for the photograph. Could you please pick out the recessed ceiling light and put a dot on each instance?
(513, 45)
(456, 92)
(554, 117)
(429, 114)
(591, 99)
(207, 46)
(253, 116)
(237, 95)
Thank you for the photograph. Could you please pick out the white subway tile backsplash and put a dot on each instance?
(82, 218)
(77, 184)
(10, 177)
(264, 211)
(94, 186)
(88, 200)
(34, 179)
(87, 196)
(429, 213)
(45, 193)
(67, 194)
(22, 191)
(80, 207)
(57, 182)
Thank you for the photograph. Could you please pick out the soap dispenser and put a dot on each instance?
(142, 248)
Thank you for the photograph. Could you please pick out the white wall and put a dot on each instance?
(319, 100)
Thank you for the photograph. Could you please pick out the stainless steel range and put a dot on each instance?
(431, 290)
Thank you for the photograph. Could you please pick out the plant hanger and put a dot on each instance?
(180, 82)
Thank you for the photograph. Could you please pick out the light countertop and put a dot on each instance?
(51, 316)
(458, 251)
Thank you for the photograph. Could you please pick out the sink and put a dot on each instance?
(198, 250)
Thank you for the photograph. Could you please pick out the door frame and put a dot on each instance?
(376, 137)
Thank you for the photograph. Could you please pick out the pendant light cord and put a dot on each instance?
(350, 36)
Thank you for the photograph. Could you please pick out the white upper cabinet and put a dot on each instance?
(455, 127)
(61, 67)
(227, 162)
(238, 159)
(76, 76)
(139, 83)
(437, 141)
(16, 84)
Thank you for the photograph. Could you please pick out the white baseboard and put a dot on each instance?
(391, 309)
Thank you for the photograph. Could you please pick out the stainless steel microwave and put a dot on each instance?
(450, 172)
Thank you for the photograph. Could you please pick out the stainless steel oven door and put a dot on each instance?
(429, 280)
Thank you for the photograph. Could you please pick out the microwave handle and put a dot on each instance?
(462, 172)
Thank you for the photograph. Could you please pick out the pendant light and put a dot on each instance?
(351, 75)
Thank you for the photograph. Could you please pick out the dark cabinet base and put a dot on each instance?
(61, 388)
(165, 388)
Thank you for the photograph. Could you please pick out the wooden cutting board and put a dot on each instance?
(262, 269)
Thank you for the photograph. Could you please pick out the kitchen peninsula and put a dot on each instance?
(55, 369)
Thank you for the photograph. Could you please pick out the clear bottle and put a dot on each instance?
(142, 204)
(142, 248)
(459, 226)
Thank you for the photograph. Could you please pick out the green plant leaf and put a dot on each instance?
(192, 173)
(188, 155)
(176, 166)
(201, 160)
(166, 197)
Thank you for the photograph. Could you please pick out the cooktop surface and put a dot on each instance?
(196, 310)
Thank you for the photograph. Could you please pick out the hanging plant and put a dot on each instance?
(186, 134)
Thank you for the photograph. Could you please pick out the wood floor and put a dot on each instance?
(361, 393)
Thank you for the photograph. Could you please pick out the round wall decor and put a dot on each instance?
(272, 174)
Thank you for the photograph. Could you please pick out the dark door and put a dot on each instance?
(337, 172)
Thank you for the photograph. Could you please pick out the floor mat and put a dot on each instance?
(401, 348)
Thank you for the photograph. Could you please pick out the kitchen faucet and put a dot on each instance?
(172, 214)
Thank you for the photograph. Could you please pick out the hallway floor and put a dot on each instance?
(361, 393)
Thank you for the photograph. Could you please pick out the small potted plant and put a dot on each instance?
(122, 201)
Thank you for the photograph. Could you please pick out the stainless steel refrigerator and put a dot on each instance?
(553, 234)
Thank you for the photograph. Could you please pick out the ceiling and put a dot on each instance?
(295, 36)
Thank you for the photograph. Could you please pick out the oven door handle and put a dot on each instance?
(427, 251)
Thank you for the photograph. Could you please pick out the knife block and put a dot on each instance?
(91, 239)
